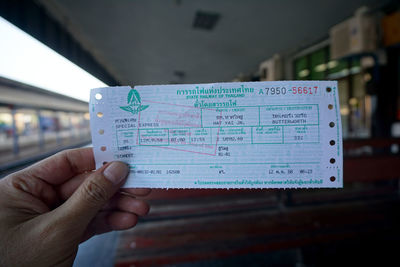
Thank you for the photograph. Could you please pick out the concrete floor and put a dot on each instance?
(98, 251)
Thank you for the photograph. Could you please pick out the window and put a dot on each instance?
(354, 101)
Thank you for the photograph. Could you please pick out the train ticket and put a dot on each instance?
(284, 134)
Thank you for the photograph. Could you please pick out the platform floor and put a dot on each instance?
(358, 224)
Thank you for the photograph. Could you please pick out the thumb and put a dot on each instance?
(94, 193)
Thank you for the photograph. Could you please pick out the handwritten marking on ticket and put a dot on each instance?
(283, 134)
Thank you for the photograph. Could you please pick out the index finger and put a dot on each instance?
(63, 165)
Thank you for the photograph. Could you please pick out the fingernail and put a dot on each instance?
(116, 172)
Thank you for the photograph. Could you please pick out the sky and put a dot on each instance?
(25, 59)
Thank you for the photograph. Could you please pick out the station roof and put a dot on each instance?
(180, 41)
(21, 95)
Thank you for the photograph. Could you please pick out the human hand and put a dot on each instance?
(47, 209)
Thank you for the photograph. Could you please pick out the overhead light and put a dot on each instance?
(320, 68)
(205, 20)
(355, 69)
(344, 111)
(353, 101)
(344, 72)
(332, 64)
(304, 73)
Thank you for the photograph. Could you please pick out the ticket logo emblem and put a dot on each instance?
(134, 103)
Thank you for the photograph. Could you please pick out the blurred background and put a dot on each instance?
(53, 52)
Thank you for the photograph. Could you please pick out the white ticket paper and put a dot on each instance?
(284, 134)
